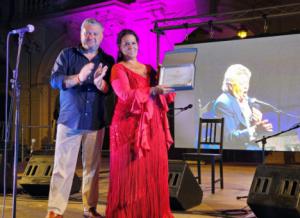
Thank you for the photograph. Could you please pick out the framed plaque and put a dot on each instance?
(179, 77)
(178, 69)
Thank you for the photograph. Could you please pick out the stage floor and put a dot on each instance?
(224, 203)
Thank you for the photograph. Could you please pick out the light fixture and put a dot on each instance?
(242, 32)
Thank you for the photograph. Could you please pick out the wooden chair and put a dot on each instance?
(210, 133)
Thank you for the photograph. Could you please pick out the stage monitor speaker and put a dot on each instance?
(185, 191)
(37, 175)
(8, 177)
(275, 191)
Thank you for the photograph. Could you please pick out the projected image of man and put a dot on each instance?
(243, 122)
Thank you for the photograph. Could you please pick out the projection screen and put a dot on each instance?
(275, 66)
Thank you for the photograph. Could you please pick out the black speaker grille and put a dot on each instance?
(275, 191)
(184, 190)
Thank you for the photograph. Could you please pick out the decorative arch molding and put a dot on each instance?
(49, 56)
(44, 101)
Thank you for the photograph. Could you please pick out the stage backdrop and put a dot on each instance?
(275, 66)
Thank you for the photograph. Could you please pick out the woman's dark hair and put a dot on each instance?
(121, 34)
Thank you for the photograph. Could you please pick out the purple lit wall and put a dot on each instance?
(140, 17)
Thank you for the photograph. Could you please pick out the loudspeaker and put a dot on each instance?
(275, 191)
(8, 177)
(185, 191)
(37, 175)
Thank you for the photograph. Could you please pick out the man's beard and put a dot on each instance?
(90, 49)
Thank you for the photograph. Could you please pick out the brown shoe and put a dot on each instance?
(92, 213)
(51, 214)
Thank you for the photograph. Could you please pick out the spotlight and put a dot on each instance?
(242, 32)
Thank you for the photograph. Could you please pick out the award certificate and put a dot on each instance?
(179, 77)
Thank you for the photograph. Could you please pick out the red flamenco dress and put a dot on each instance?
(139, 141)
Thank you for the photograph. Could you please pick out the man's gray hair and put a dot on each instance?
(233, 74)
(91, 21)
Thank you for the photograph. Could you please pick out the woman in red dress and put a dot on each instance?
(139, 138)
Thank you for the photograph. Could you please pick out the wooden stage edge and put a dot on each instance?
(224, 203)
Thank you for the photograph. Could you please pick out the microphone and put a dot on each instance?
(187, 107)
(29, 28)
(184, 108)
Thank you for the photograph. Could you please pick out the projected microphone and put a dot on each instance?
(254, 100)
(29, 28)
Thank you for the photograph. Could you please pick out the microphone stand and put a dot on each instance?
(16, 95)
(263, 140)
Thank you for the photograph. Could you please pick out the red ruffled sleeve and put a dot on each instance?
(164, 101)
